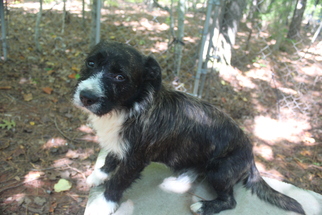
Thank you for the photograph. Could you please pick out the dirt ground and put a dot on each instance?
(43, 138)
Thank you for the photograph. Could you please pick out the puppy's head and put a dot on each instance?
(115, 77)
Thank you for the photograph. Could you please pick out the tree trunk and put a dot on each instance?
(180, 34)
(255, 9)
(3, 31)
(233, 12)
(83, 13)
(37, 28)
(63, 18)
(219, 36)
(295, 26)
(96, 16)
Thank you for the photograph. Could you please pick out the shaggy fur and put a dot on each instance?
(139, 121)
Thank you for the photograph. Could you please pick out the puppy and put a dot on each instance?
(139, 121)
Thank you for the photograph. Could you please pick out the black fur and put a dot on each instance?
(170, 127)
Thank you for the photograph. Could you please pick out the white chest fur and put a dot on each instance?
(108, 129)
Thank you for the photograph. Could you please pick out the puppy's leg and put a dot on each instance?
(105, 164)
(224, 201)
(222, 175)
(106, 202)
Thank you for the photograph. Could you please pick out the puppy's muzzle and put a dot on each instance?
(88, 98)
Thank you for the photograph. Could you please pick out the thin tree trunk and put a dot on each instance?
(63, 18)
(96, 15)
(37, 28)
(233, 11)
(3, 31)
(294, 31)
(180, 34)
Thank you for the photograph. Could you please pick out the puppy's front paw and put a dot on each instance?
(100, 206)
(96, 178)
(196, 207)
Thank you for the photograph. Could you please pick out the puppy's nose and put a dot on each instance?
(88, 98)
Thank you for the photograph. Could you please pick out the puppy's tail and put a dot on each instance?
(257, 185)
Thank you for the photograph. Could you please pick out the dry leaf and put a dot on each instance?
(72, 154)
(47, 90)
(223, 82)
(27, 97)
(53, 207)
(72, 76)
(62, 185)
(49, 72)
(50, 63)
(74, 68)
(5, 87)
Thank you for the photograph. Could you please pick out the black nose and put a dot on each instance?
(88, 98)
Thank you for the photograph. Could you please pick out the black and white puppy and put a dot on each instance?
(139, 121)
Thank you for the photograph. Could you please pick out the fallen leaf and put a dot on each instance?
(49, 72)
(5, 87)
(50, 63)
(53, 207)
(72, 154)
(303, 165)
(47, 90)
(27, 97)
(74, 76)
(62, 185)
(74, 68)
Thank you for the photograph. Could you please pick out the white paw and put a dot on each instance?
(196, 207)
(96, 178)
(180, 184)
(172, 184)
(100, 206)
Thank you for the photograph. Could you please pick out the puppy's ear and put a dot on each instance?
(153, 69)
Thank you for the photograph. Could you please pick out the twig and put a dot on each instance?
(34, 210)
(315, 166)
(49, 168)
(160, 6)
(73, 168)
(18, 185)
(196, 195)
(7, 188)
(62, 133)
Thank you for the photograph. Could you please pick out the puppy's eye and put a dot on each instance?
(119, 77)
(90, 64)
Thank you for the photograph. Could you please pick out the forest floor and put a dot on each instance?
(43, 138)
